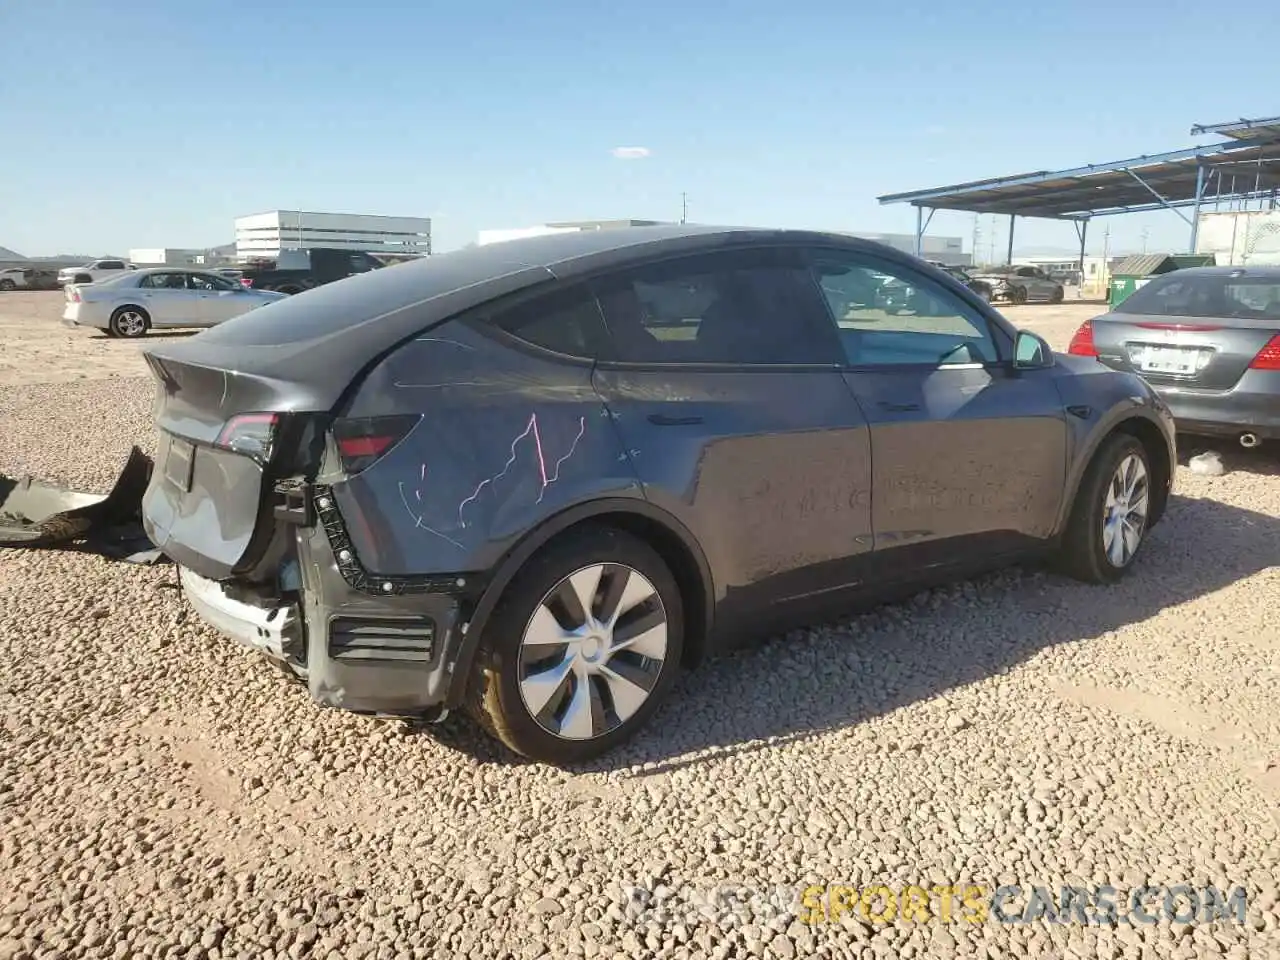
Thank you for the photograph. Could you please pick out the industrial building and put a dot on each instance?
(948, 250)
(266, 234)
(1240, 237)
(181, 257)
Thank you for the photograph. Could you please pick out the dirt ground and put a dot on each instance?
(164, 793)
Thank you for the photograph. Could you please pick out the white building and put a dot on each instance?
(266, 234)
(486, 237)
(948, 250)
(1240, 238)
(178, 257)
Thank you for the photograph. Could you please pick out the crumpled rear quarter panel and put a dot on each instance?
(507, 438)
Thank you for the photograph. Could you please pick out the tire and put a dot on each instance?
(1057, 295)
(547, 721)
(129, 322)
(1018, 295)
(1084, 552)
(288, 288)
(8, 286)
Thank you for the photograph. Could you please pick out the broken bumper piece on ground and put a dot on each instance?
(34, 514)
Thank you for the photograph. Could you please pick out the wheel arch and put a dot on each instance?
(674, 542)
(1143, 426)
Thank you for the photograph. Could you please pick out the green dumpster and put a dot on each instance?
(1133, 272)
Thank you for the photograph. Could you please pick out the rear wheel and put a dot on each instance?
(1109, 518)
(1057, 295)
(289, 288)
(8, 285)
(582, 648)
(129, 322)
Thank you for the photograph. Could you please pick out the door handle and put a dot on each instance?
(898, 407)
(662, 420)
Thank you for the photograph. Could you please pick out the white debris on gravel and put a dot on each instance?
(1208, 464)
(163, 793)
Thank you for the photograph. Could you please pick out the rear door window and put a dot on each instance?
(751, 307)
(565, 321)
(164, 281)
(111, 265)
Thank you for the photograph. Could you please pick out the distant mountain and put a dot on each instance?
(7, 254)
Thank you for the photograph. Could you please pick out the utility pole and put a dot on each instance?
(977, 235)
(684, 207)
(1145, 231)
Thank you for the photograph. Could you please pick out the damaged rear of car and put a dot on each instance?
(268, 449)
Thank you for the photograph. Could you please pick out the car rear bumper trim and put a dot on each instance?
(1250, 407)
(273, 630)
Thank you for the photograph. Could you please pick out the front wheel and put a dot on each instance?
(1109, 518)
(582, 648)
(1018, 295)
(129, 322)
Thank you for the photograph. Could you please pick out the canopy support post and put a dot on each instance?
(1013, 217)
(1195, 209)
(1082, 231)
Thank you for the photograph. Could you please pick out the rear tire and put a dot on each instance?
(288, 288)
(1057, 295)
(129, 322)
(554, 680)
(8, 285)
(1107, 527)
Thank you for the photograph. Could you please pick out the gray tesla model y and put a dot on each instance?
(538, 478)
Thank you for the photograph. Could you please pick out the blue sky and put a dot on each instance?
(155, 123)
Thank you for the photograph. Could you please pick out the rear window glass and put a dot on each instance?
(1206, 295)
(347, 303)
(566, 321)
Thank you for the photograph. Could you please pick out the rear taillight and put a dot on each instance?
(1268, 357)
(252, 434)
(246, 281)
(362, 441)
(1082, 342)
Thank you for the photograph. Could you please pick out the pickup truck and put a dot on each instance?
(93, 272)
(297, 270)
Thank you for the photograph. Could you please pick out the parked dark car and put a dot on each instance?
(982, 288)
(1021, 284)
(1208, 339)
(294, 271)
(537, 478)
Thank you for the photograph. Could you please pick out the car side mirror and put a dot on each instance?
(1031, 352)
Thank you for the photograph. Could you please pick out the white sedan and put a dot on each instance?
(131, 304)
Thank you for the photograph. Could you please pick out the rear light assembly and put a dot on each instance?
(1082, 343)
(1268, 357)
(362, 441)
(252, 434)
(246, 281)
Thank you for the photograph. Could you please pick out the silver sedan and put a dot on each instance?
(131, 304)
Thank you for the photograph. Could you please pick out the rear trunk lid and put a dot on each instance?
(243, 406)
(1204, 353)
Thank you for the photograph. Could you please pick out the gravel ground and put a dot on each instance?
(164, 794)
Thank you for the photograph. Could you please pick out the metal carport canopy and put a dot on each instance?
(1236, 170)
